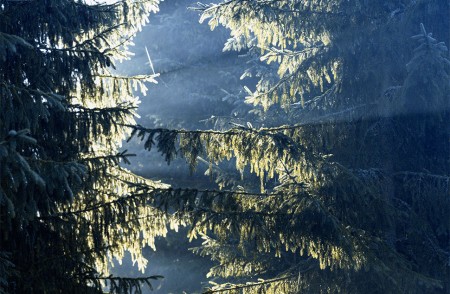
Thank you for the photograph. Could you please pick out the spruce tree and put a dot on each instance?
(354, 192)
(66, 208)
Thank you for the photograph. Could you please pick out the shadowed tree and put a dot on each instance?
(62, 192)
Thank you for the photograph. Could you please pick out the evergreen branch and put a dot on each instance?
(130, 78)
(138, 279)
(281, 82)
(289, 53)
(152, 193)
(101, 35)
(71, 49)
(203, 8)
(78, 48)
(249, 212)
(233, 131)
(85, 159)
(239, 129)
(120, 155)
(60, 97)
(119, 108)
(155, 191)
(251, 285)
(307, 12)
(98, 7)
(130, 285)
(143, 186)
(95, 207)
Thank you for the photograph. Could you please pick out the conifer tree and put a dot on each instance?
(63, 214)
(354, 193)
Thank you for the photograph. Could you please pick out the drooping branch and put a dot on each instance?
(239, 288)
(121, 285)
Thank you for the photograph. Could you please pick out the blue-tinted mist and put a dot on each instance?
(197, 81)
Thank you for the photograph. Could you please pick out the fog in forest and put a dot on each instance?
(196, 80)
(262, 146)
(198, 84)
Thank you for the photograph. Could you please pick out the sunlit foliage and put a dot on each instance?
(62, 210)
(353, 190)
(353, 194)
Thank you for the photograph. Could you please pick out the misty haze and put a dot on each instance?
(233, 146)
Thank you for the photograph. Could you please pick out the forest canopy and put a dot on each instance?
(342, 152)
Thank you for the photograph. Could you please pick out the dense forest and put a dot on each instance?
(312, 157)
